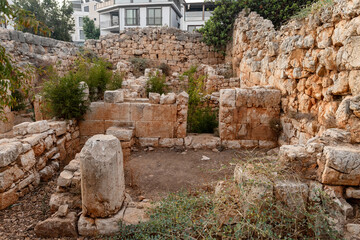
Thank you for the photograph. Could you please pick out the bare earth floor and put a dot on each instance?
(150, 175)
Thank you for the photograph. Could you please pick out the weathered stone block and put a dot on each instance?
(102, 176)
(123, 134)
(8, 198)
(28, 160)
(153, 129)
(38, 127)
(56, 226)
(92, 127)
(58, 126)
(21, 129)
(116, 96)
(9, 153)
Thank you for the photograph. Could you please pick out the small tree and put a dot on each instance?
(91, 32)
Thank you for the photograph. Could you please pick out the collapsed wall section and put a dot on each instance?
(34, 154)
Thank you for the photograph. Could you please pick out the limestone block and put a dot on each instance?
(352, 193)
(57, 199)
(171, 142)
(134, 215)
(343, 112)
(149, 142)
(9, 152)
(116, 96)
(154, 129)
(355, 105)
(58, 126)
(28, 160)
(9, 176)
(169, 98)
(227, 98)
(100, 226)
(337, 134)
(342, 166)
(91, 127)
(65, 178)
(354, 82)
(294, 194)
(8, 198)
(154, 98)
(21, 129)
(123, 134)
(38, 127)
(86, 91)
(182, 98)
(296, 157)
(353, 229)
(102, 176)
(341, 84)
(56, 226)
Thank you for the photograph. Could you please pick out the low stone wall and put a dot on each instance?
(247, 116)
(312, 61)
(34, 154)
(27, 48)
(179, 49)
(159, 117)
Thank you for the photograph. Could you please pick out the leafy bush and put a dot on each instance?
(97, 74)
(165, 68)
(201, 118)
(64, 98)
(139, 66)
(217, 30)
(116, 81)
(234, 214)
(156, 84)
(20, 100)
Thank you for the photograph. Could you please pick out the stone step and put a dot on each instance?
(124, 134)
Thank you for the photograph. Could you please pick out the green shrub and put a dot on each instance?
(217, 30)
(139, 66)
(201, 118)
(156, 84)
(64, 98)
(20, 100)
(116, 81)
(97, 74)
(165, 68)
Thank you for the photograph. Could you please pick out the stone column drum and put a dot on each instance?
(102, 176)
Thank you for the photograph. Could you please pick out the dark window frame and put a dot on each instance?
(148, 19)
(137, 17)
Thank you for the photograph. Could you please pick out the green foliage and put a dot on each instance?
(139, 66)
(17, 78)
(201, 118)
(165, 68)
(91, 32)
(97, 74)
(58, 18)
(238, 211)
(64, 98)
(20, 100)
(217, 30)
(116, 81)
(156, 84)
(313, 8)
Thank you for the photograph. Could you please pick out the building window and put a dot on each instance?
(114, 18)
(132, 17)
(81, 22)
(154, 16)
(86, 9)
(82, 35)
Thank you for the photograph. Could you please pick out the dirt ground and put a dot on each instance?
(154, 174)
(150, 175)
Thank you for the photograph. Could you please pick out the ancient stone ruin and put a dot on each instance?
(294, 91)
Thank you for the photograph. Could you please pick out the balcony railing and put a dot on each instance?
(112, 2)
(197, 16)
(106, 24)
(105, 4)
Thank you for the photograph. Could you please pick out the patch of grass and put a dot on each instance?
(313, 8)
(165, 68)
(232, 213)
(156, 84)
(116, 81)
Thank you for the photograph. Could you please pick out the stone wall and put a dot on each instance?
(34, 154)
(248, 117)
(312, 61)
(38, 51)
(179, 49)
(159, 117)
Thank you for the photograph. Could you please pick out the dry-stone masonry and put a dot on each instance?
(30, 49)
(313, 62)
(34, 154)
(179, 49)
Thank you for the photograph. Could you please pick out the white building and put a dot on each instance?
(116, 15)
(83, 8)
